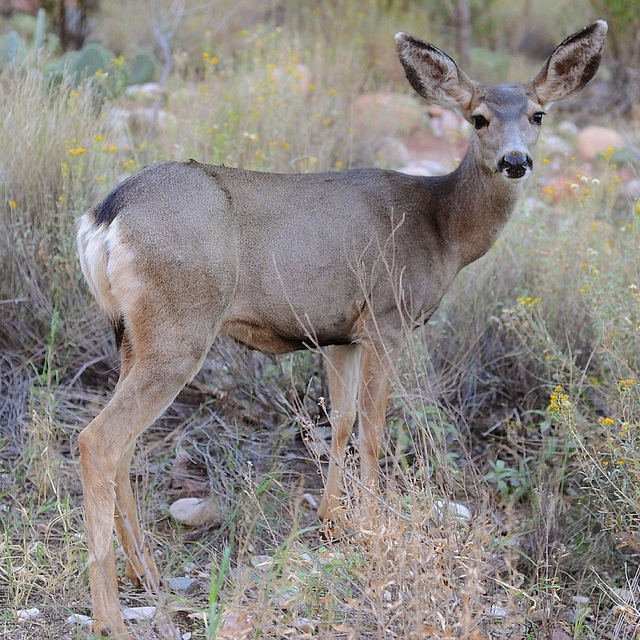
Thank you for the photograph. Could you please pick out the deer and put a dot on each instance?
(346, 262)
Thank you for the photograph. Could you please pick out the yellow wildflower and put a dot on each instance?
(626, 384)
(559, 402)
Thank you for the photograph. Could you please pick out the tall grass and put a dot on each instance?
(518, 400)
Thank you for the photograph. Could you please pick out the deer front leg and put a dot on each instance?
(373, 394)
(342, 363)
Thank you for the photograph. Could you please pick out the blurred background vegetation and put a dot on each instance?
(519, 399)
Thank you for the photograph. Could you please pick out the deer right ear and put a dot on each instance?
(433, 74)
(573, 63)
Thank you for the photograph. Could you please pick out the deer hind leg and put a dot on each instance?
(342, 363)
(140, 566)
(156, 373)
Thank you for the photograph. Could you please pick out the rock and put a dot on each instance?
(310, 500)
(568, 129)
(424, 168)
(555, 146)
(139, 121)
(79, 619)
(593, 141)
(183, 585)
(631, 188)
(235, 625)
(388, 151)
(558, 189)
(28, 614)
(149, 91)
(289, 598)
(262, 563)
(455, 509)
(388, 113)
(446, 123)
(138, 613)
(304, 625)
(193, 512)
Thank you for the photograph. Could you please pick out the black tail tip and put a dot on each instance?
(118, 331)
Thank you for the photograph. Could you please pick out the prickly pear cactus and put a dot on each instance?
(84, 64)
(141, 68)
(13, 51)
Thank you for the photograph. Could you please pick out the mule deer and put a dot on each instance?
(343, 261)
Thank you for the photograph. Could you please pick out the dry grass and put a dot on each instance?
(519, 399)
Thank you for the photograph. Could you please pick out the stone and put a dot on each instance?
(193, 512)
(388, 113)
(28, 614)
(235, 625)
(447, 508)
(183, 585)
(138, 613)
(79, 619)
(594, 140)
(555, 145)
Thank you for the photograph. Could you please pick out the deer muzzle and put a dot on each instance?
(515, 165)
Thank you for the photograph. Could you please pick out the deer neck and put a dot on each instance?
(477, 205)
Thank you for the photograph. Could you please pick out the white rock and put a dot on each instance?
(555, 145)
(28, 614)
(305, 625)
(138, 613)
(193, 511)
(77, 618)
(455, 509)
(149, 91)
(424, 168)
(311, 500)
(568, 129)
(631, 188)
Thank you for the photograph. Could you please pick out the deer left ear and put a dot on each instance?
(573, 63)
(433, 74)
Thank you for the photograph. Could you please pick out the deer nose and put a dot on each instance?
(515, 165)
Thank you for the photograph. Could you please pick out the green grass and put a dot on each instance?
(520, 399)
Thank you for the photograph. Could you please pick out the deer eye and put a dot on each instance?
(479, 122)
(536, 118)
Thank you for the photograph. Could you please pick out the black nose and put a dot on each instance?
(515, 165)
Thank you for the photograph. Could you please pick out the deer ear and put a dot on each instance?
(433, 74)
(573, 63)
